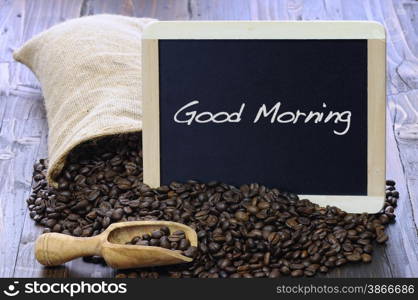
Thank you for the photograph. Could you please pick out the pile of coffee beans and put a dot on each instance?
(162, 237)
(243, 232)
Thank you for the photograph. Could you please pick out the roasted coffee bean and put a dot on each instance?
(244, 232)
(354, 257)
(184, 244)
(143, 243)
(241, 216)
(165, 230)
(165, 243)
(297, 273)
(154, 242)
(190, 252)
(368, 248)
(174, 238)
(159, 238)
(285, 270)
(146, 237)
(274, 273)
(340, 262)
(323, 269)
(382, 238)
(366, 258)
(157, 234)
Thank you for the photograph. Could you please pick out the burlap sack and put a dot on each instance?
(90, 72)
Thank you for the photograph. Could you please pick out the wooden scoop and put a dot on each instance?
(53, 249)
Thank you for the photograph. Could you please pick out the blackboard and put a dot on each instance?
(306, 158)
(286, 113)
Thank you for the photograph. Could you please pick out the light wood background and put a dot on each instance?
(23, 127)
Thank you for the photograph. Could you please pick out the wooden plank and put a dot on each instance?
(121, 7)
(273, 10)
(402, 76)
(20, 137)
(402, 249)
(404, 105)
(162, 10)
(22, 117)
(219, 10)
(404, 108)
(13, 189)
(315, 10)
(26, 265)
(407, 12)
(411, 15)
(23, 124)
(353, 10)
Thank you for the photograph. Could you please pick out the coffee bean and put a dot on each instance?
(174, 238)
(245, 232)
(179, 233)
(165, 243)
(90, 196)
(241, 216)
(274, 273)
(214, 247)
(366, 258)
(368, 248)
(297, 273)
(354, 257)
(323, 269)
(146, 237)
(390, 182)
(190, 252)
(154, 242)
(135, 239)
(143, 243)
(285, 270)
(117, 214)
(292, 222)
(184, 244)
(297, 266)
(340, 262)
(382, 238)
(157, 234)
(165, 230)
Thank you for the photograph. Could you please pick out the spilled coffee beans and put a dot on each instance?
(245, 232)
(162, 237)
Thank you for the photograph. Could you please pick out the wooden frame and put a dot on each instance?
(373, 32)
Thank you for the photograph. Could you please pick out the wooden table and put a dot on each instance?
(23, 127)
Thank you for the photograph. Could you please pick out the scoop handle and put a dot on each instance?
(53, 249)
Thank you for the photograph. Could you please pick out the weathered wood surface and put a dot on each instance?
(23, 128)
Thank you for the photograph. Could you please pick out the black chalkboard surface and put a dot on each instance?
(305, 157)
(288, 113)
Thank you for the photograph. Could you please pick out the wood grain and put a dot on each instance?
(23, 132)
(376, 117)
(162, 10)
(23, 129)
(23, 124)
(151, 104)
